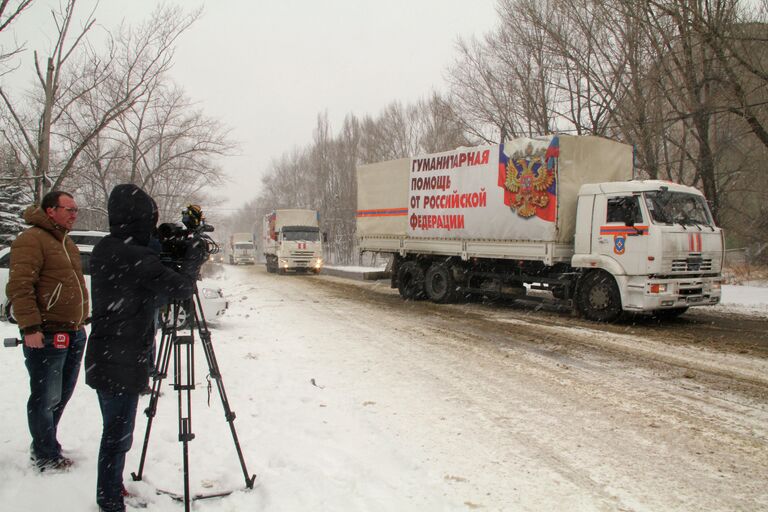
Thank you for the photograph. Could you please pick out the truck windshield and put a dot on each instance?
(244, 246)
(667, 207)
(304, 236)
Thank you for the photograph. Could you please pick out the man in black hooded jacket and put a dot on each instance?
(126, 278)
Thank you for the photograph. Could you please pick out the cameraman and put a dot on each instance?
(126, 278)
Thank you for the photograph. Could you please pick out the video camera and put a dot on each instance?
(174, 237)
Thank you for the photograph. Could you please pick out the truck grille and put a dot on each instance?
(692, 265)
(302, 255)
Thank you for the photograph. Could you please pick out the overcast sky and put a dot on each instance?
(266, 69)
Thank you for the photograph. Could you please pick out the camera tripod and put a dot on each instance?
(183, 348)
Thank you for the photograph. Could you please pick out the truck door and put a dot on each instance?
(622, 232)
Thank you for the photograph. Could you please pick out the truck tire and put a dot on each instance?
(598, 297)
(439, 284)
(271, 265)
(410, 281)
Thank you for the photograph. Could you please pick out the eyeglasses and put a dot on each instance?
(70, 210)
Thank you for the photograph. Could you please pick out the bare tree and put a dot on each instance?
(522, 48)
(737, 38)
(172, 144)
(438, 126)
(338, 158)
(482, 93)
(163, 143)
(8, 14)
(135, 59)
(322, 176)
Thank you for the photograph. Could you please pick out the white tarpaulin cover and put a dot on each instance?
(525, 189)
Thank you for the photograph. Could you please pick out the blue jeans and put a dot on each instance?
(118, 413)
(53, 375)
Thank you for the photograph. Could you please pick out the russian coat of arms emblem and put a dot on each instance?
(528, 178)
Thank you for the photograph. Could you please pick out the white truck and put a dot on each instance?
(241, 249)
(291, 240)
(556, 213)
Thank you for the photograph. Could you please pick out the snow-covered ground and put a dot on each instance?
(304, 429)
(750, 298)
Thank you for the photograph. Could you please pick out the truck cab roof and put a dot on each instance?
(633, 186)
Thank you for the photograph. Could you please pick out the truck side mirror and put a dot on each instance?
(325, 237)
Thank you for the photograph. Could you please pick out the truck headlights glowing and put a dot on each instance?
(657, 288)
(318, 263)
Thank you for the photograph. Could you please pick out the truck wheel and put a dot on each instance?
(410, 281)
(598, 297)
(271, 265)
(440, 285)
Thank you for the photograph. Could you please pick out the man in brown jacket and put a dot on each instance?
(50, 302)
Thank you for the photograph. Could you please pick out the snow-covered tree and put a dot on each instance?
(13, 200)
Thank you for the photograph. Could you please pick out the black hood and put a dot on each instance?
(132, 213)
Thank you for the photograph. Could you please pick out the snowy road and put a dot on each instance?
(518, 412)
(350, 399)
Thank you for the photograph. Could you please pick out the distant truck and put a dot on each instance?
(291, 241)
(556, 213)
(242, 249)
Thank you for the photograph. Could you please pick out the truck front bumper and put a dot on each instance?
(651, 294)
(315, 264)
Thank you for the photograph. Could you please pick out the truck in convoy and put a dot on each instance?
(291, 241)
(242, 249)
(555, 213)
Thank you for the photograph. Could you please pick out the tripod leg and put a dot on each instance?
(161, 371)
(215, 373)
(184, 383)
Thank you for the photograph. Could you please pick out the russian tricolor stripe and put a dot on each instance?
(385, 212)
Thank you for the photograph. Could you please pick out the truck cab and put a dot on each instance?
(291, 241)
(652, 244)
(299, 248)
(242, 250)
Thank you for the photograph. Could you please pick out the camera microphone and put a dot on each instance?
(12, 342)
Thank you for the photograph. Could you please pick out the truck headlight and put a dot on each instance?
(657, 288)
(318, 263)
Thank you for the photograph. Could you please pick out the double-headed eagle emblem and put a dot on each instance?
(528, 179)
